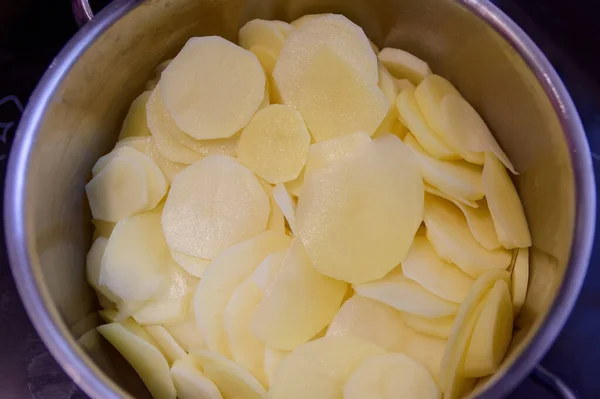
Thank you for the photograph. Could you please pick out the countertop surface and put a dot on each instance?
(31, 34)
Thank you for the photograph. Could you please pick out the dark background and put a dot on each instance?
(33, 31)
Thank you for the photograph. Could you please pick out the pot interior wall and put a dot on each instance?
(85, 112)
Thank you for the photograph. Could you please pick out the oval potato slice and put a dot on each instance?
(93, 267)
(480, 223)
(276, 218)
(166, 343)
(273, 358)
(404, 65)
(191, 383)
(186, 333)
(191, 264)
(286, 204)
(266, 57)
(263, 33)
(519, 280)
(432, 190)
(135, 124)
(439, 327)
(324, 153)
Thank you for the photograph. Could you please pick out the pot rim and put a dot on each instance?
(92, 380)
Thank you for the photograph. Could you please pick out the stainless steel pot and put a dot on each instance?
(73, 116)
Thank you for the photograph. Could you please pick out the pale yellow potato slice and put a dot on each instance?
(505, 205)
(404, 65)
(286, 204)
(423, 265)
(426, 350)
(371, 321)
(299, 303)
(109, 315)
(191, 264)
(273, 358)
(274, 144)
(458, 179)
(406, 295)
(94, 266)
(390, 376)
(388, 86)
(411, 116)
(432, 190)
(232, 379)
(480, 223)
(402, 84)
(191, 383)
(491, 335)
(102, 228)
(519, 280)
(201, 87)
(294, 187)
(127, 308)
(319, 369)
(438, 327)
(362, 246)
(449, 234)
(135, 124)
(134, 263)
(145, 358)
(325, 153)
(186, 333)
(212, 205)
(451, 382)
(266, 57)
(222, 276)
(266, 271)
(276, 218)
(306, 18)
(261, 32)
(284, 27)
(166, 343)
(468, 129)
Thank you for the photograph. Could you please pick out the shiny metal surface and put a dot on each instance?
(74, 114)
(82, 11)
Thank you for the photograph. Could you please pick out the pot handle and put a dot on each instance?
(549, 380)
(82, 11)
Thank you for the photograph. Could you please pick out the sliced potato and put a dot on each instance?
(393, 375)
(130, 325)
(404, 65)
(109, 315)
(284, 27)
(387, 84)
(93, 268)
(318, 369)
(232, 380)
(360, 246)
(438, 327)
(325, 153)
(480, 223)
(147, 361)
(221, 278)
(274, 144)
(134, 124)
(286, 204)
(191, 383)
(449, 234)
(519, 280)
(186, 333)
(299, 303)
(491, 335)
(266, 57)
(505, 205)
(212, 205)
(306, 18)
(402, 84)
(413, 119)
(432, 190)
(201, 87)
(276, 218)
(426, 350)
(261, 32)
(266, 271)
(166, 343)
(273, 358)
(406, 295)
(191, 264)
(147, 145)
(295, 186)
(443, 279)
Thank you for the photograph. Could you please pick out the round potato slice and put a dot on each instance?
(480, 223)
(191, 383)
(212, 205)
(135, 124)
(439, 327)
(191, 264)
(319, 369)
(212, 87)
(286, 204)
(262, 32)
(274, 144)
(324, 153)
(519, 280)
(357, 217)
(393, 375)
(266, 57)
(93, 267)
(404, 65)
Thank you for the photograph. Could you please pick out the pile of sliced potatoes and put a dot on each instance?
(305, 216)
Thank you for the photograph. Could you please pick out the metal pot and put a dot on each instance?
(73, 117)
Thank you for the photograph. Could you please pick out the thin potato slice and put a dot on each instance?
(109, 315)
(458, 179)
(168, 167)
(135, 124)
(319, 369)
(402, 84)
(439, 327)
(286, 204)
(93, 268)
(505, 205)
(299, 303)
(294, 187)
(266, 271)
(212, 205)
(480, 223)
(426, 350)
(146, 359)
(222, 276)
(387, 84)
(306, 18)
(404, 65)
(191, 383)
(266, 57)
(325, 153)
(406, 295)
(261, 32)
(186, 333)
(276, 218)
(491, 335)
(191, 264)
(520, 280)
(413, 119)
(443, 279)
(201, 87)
(360, 246)
(389, 376)
(274, 144)
(166, 343)
(432, 190)
(273, 358)
(449, 234)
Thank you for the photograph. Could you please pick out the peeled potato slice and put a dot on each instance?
(323, 154)
(273, 358)
(191, 264)
(191, 383)
(274, 144)
(306, 18)
(261, 32)
(404, 65)
(299, 303)
(457, 179)
(147, 361)
(406, 295)
(166, 343)
(286, 204)
(438, 327)
(212, 205)
(354, 246)
(212, 87)
(266, 271)
(133, 266)
(134, 124)
(221, 278)
(520, 280)
(505, 205)
(443, 279)
(491, 335)
(318, 369)
(186, 333)
(276, 218)
(93, 267)
(232, 380)
(393, 375)
(266, 57)
(147, 145)
(402, 84)
(480, 223)
(432, 190)
(426, 350)
(414, 120)
(449, 234)
(295, 186)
